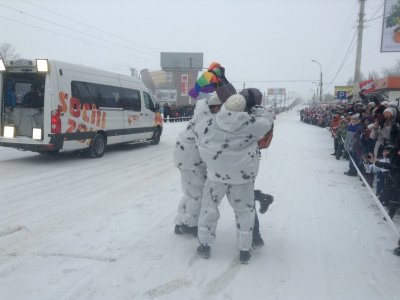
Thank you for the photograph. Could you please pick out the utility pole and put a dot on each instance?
(357, 73)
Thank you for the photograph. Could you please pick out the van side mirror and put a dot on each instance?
(157, 105)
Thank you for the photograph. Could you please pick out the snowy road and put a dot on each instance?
(78, 228)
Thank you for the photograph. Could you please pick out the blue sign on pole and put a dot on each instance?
(341, 95)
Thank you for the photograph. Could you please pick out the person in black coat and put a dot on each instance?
(391, 191)
(166, 111)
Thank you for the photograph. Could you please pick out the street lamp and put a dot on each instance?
(320, 80)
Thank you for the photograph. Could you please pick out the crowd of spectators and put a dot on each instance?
(367, 133)
(177, 113)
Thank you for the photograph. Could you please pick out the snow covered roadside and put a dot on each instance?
(103, 229)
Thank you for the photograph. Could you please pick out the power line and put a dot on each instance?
(263, 81)
(373, 18)
(383, 3)
(348, 52)
(88, 25)
(74, 38)
(74, 30)
(342, 41)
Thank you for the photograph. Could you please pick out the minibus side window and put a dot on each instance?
(108, 95)
(148, 102)
(129, 99)
(82, 91)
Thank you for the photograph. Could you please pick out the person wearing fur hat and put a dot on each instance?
(228, 145)
(381, 133)
(370, 106)
(192, 168)
(381, 130)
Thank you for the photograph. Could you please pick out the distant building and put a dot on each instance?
(162, 79)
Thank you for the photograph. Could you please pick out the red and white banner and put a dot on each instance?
(184, 84)
(367, 86)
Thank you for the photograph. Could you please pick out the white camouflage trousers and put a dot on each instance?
(189, 206)
(241, 198)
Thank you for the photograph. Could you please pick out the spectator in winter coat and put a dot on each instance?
(350, 141)
(228, 145)
(192, 168)
(381, 130)
(390, 165)
(334, 126)
(166, 112)
(384, 120)
(368, 146)
(340, 136)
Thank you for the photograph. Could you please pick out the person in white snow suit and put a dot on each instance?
(192, 168)
(253, 97)
(228, 145)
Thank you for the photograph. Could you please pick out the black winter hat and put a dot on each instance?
(253, 97)
(390, 148)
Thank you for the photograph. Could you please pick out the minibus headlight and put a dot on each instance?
(42, 65)
(37, 133)
(9, 131)
(2, 65)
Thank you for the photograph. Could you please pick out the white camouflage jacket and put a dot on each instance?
(228, 144)
(186, 154)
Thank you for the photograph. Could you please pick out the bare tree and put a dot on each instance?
(7, 51)
(373, 75)
(350, 82)
(393, 71)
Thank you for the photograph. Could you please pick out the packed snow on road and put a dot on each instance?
(78, 228)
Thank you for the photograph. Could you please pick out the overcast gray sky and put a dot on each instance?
(266, 43)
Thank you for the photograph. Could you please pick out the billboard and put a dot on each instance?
(181, 61)
(276, 91)
(343, 92)
(390, 40)
(167, 95)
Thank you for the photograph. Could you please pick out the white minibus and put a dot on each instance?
(47, 106)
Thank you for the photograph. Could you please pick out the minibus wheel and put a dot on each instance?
(98, 146)
(156, 136)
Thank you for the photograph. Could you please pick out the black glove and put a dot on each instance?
(223, 79)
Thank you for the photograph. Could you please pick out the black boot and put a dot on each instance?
(204, 251)
(244, 256)
(264, 199)
(258, 242)
(257, 239)
(189, 230)
(350, 173)
(178, 229)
